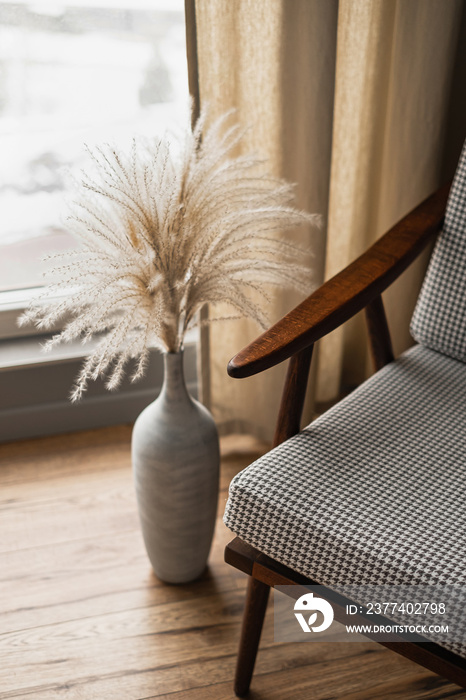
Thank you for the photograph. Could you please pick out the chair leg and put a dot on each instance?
(253, 618)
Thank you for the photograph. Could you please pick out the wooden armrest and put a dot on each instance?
(348, 292)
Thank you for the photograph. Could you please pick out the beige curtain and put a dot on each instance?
(348, 100)
(394, 67)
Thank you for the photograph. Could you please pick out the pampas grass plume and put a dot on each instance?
(164, 231)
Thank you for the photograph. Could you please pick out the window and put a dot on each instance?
(75, 73)
(71, 73)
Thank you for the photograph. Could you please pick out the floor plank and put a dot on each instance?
(82, 616)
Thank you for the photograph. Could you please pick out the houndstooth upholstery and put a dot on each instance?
(373, 491)
(439, 319)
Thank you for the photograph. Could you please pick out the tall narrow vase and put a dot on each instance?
(175, 455)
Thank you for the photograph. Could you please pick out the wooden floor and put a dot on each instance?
(83, 618)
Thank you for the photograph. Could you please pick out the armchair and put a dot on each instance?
(386, 465)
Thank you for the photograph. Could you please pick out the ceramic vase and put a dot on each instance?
(175, 453)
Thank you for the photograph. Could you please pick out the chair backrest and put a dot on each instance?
(439, 319)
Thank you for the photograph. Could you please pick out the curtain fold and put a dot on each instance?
(394, 66)
(276, 68)
(349, 101)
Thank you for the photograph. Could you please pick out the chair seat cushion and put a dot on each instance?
(373, 491)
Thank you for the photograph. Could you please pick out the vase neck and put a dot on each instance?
(174, 385)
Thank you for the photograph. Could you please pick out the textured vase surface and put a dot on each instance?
(175, 454)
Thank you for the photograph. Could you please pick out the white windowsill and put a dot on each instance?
(27, 352)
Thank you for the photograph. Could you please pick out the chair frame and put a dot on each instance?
(359, 286)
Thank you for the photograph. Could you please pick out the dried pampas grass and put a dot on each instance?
(163, 233)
